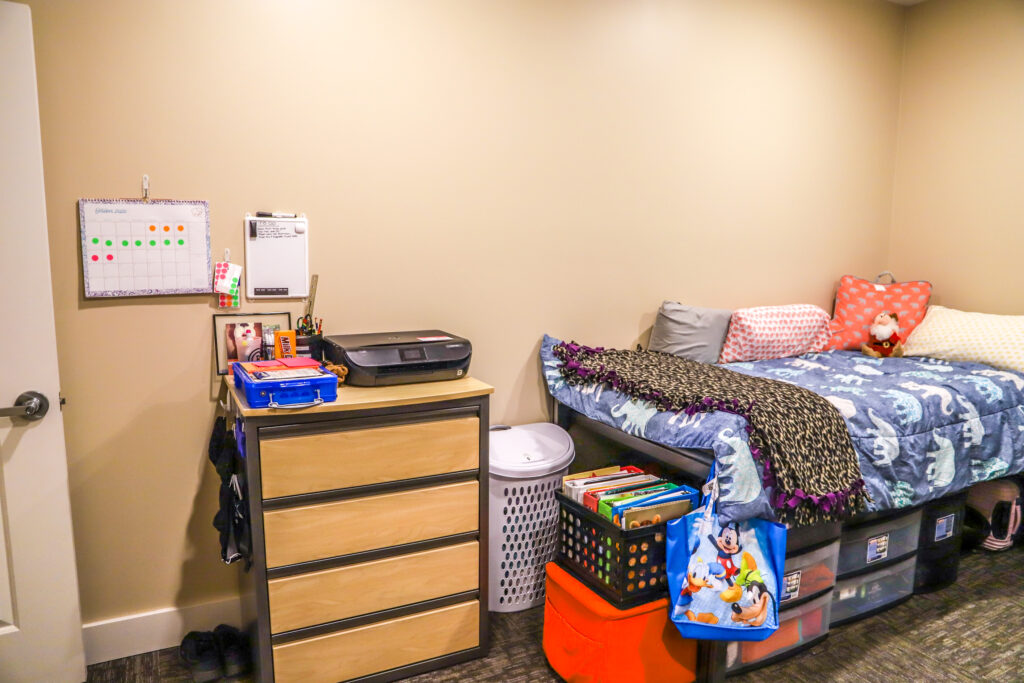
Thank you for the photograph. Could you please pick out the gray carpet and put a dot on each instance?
(972, 631)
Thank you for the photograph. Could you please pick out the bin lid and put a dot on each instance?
(531, 450)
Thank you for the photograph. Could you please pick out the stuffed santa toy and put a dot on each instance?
(884, 339)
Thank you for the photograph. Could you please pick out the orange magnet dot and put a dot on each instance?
(181, 228)
(167, 228)
(152, 227)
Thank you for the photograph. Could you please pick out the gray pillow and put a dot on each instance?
(689, 331)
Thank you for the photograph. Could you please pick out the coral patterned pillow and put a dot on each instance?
(769, 332)
(859, 301)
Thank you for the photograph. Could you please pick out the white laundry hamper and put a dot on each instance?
(527, 465)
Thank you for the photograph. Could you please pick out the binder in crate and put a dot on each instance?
(302, 383)
(625, 566)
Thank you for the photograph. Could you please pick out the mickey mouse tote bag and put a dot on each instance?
(724, 581)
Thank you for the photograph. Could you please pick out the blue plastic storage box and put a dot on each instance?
(286, 393)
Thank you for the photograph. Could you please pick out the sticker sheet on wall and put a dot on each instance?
(133, 247)
(226, 278)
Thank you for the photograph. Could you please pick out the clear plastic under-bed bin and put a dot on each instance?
(809, 573)
(799, 627)
(879, 542)
(864, 594)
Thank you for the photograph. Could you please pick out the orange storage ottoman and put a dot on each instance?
(587, 640)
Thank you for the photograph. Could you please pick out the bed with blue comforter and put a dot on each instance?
(922, 428)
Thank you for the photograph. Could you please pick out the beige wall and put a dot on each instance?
(497, 169)
(959, 204)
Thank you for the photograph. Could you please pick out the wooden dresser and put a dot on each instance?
(369, 532)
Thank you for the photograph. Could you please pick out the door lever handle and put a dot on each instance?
(30, 405)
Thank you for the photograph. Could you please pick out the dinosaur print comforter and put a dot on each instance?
(922, 428)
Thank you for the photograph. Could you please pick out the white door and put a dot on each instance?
(40, 623)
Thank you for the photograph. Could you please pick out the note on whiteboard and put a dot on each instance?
(276, 257)
(135, 248)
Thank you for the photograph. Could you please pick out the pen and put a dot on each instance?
(273, 214)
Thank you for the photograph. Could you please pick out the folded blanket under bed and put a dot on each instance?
(799, 439)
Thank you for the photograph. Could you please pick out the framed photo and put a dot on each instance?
(239, 336)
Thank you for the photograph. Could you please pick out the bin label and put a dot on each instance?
(790, 586)
(878, 548)
(944, 527)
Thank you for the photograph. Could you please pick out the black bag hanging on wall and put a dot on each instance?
(232, 518)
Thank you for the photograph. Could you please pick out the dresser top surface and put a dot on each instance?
(366, 398)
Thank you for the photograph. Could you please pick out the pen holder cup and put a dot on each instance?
(310, 345)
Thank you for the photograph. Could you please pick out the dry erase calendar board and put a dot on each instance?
(132, 247)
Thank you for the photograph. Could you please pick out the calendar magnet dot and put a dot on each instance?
(110, 257)
(181, 228)
(166, 242)
(181, 241)
(109, 243)
(152, 227)
(138, 243)
(167, 228)
(95, 240)
(152, 243)
(124, 243)
(95, 257)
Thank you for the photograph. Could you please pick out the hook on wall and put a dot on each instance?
(145, 187)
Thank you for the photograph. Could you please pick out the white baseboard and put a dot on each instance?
(134, 634)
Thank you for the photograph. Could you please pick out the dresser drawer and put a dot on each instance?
(315, 532)
(333, 460)
(379, 647)
(320, 597)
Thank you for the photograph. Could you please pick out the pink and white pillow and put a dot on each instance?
(767, 332)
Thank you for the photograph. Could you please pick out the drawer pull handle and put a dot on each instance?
(277, 406)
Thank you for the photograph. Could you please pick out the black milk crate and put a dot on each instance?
(627, 568)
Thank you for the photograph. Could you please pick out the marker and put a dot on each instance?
(272, 214)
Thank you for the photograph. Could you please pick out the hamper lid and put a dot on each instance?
(531, 450)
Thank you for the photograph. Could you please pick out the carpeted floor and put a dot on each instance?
(971, 631)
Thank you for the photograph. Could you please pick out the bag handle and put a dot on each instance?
(892, 278)
(709, 491)
(223, 407)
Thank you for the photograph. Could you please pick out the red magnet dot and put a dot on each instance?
(95, 258)
(110, 257)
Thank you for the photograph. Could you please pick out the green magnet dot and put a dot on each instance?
(152, 243)
(95, 240)
(109, 243)
(138, 243)
(167, 242)
(235, 280)
(124, 243)
(181, 241)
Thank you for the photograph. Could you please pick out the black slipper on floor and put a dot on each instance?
(234, 650)
(199, 652)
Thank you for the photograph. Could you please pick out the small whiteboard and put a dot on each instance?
(276, 257)
(131, 247)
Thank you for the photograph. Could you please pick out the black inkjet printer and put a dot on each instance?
(387, 358)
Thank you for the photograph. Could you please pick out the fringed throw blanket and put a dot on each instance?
(799, 439)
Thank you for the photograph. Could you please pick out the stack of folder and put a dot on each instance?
(628, 496)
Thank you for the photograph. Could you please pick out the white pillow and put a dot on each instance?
(949, 334)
